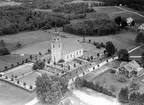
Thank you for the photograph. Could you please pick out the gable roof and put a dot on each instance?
(70, 45)
(133, 65)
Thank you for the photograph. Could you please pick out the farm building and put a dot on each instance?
(130, 68)
(130, 20)
(141, 27)
(65, 50)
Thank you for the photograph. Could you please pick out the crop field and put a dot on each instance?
(19, 71)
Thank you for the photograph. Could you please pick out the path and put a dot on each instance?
(35, 100)
(129, 11)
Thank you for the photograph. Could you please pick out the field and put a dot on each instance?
(114, 11)
(12, 95)
(137, 52)
(7, 60)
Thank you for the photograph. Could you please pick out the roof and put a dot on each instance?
(133, 65)
(141, 26)
(129, 20)
(70, 45)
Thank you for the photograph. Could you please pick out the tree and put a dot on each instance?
(89, 40)
(140, 38)
(142, 58)
(118, 20)
(2, 43)
(18, 45)
(123, 95)
(78, 82)
(31, 57)
(123, 22)
(49, 51)
(38, 65)
(123, 55)
(50, 89)
(110, 48)
(4, 51)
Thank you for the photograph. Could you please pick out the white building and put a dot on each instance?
(65, 49)
(141, 27)
(130, 20)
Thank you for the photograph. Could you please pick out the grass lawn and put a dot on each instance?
(18, 71)
(12, 95)
(110, 81)
(29, 79)
(26, 38)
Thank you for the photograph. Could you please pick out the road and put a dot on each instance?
(129, 11)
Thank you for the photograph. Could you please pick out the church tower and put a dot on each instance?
(56, 49)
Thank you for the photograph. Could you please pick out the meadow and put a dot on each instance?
(125, 12)
(12, 95)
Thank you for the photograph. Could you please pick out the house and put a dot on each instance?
(129, 20)
(130, 68)
(141, 27)
(66, 49)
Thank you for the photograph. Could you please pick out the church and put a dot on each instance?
(65, 49)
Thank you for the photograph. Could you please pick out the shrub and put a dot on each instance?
(15, 76)
(61, 61)
(31, 87)
(6, 67)
(24, 84)
(6, 77)
(0, 75)
(4, 51)
(18, 45)
(17, 82)
(12, 79)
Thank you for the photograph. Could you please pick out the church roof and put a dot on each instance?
(70, 45)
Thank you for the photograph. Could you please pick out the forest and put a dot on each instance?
(17, 19)
(92, 27)
(74, 8)
(134, 4)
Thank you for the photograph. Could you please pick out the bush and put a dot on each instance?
(61, 61)
(15, 76)
(17, 82)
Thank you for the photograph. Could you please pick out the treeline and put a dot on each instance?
(134, 4)
(74, 8)
(79, 82)
(17, 19)
(42, 4)
(92, 27)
